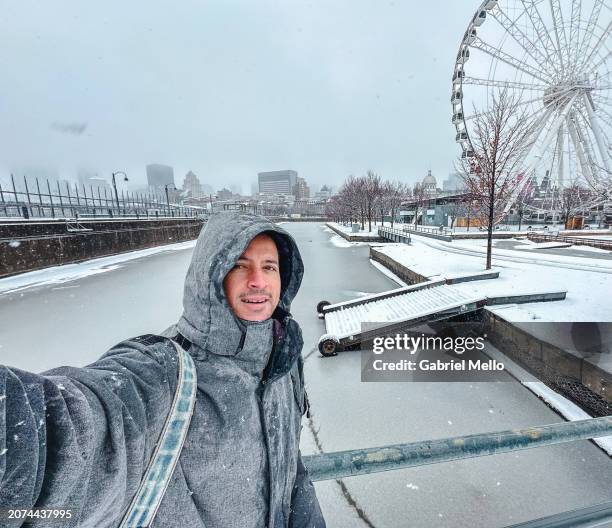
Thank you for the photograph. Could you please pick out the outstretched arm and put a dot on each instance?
(80, 438)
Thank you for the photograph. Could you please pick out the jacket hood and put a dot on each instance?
(207, 320)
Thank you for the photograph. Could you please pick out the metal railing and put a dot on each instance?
(397, 235)
(444, 231)
(74, 201)
(341, 464)
(355, 462)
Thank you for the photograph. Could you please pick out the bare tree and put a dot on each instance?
(572, 200)
(524, 199)
(395, 192)
(500, 143)
(349, 194)
(383, 200)
(419, 196)
(455, 209)
(372, 189)
(366, 197)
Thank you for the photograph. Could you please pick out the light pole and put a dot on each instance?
(167, 198)
(125, 178)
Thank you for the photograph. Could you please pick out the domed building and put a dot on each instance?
(430, 185)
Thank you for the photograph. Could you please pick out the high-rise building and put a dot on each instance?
(192, 185)
(277, 182)
(158, 176)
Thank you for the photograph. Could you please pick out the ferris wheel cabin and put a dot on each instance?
(470, 37)
(463, 55)
(459, 75)
(457, 118)
(479, 18)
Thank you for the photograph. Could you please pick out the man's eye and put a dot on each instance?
(271, 268)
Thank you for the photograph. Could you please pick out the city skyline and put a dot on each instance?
(135, 183)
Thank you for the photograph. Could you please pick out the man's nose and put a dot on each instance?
(256, 279)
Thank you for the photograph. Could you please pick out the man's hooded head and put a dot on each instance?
(252, 287)
(208, 319)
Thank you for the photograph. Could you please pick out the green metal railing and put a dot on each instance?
(355, 462)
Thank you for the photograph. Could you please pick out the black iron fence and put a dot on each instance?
(64, 200)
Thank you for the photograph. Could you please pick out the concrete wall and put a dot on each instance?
(567, 368)
(402, 272)
(40, 245)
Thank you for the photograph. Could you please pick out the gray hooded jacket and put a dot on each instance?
(81, 438)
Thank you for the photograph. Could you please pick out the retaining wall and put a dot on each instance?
(40, 245)
(571, 375)
(407, 275)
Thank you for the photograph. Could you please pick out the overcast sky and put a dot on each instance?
(230, 88)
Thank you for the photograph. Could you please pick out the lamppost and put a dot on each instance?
(125, 178)
(167, 198)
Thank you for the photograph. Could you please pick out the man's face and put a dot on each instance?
(253, 285)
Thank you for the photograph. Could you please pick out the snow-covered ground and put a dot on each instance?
(540, 228)
(592, 232)
(588, 281)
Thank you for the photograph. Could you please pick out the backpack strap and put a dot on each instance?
(156, 478)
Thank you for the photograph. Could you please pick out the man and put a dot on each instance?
(81, 438)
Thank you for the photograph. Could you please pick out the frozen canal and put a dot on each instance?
(75, 322)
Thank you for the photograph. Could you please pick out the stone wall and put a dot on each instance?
(571, 375)
(39, 245)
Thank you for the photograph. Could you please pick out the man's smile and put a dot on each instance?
(255, 299)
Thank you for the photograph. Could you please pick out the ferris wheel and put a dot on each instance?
(554, 57)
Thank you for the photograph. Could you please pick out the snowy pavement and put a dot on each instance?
(588, 281)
